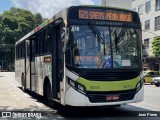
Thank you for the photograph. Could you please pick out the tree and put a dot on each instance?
(1, 38)
(37, 19)
(20, 16)
(8, 22)
(14, 24)
(1, 32)
(156, 46)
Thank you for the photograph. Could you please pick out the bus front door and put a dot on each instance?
(57, 71)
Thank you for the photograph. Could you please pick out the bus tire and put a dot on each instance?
(23, 83)
(49, 96)
(157, 85)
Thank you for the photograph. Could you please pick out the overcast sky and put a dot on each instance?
(46, 7)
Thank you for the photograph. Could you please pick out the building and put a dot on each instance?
(117, 3)
(149, 12)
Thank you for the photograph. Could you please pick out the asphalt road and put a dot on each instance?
(12, 98)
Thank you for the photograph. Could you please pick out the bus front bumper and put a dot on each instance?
(75, 98)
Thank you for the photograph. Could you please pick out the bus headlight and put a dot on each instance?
(139, 85)
(76, 85)
(71, 83)
(81, 88)
(141, 75)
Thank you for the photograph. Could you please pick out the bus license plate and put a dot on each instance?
(112, 97)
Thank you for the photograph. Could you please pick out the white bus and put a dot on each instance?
(84, 56)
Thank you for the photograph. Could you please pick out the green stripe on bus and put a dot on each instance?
(109, 85)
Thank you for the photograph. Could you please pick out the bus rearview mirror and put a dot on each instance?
(64, 37)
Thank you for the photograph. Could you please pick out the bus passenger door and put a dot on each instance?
(27, 64)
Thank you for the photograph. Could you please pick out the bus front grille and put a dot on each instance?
(96, 98)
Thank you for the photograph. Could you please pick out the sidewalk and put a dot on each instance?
(13, 98)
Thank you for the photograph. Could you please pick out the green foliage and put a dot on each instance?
(8, 22)
(38, 19)
(156, 46)
(14, 24)
(0, 17)
(1, 32)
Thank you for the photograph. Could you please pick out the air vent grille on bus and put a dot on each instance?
(109, 75)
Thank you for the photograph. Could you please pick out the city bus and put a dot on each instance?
(83, 56)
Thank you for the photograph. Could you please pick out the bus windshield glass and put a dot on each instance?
(104, 47)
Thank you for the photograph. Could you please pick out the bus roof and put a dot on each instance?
(63, 14)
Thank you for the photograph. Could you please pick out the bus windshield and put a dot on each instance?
(118, 47)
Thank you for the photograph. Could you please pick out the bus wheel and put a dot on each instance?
(157, 85)
(49, 97)
(23, 83)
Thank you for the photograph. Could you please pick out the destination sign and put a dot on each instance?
(105, 15)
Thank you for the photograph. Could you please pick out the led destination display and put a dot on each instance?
(105, 15)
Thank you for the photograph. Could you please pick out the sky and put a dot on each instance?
(47, 8)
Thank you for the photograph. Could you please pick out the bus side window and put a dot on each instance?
(43, 43)
(18, 51)
(49, 39)
(28, 49)
(46, 41)
(36, 46)
(33, 52)
(40, 43)
(23, 49)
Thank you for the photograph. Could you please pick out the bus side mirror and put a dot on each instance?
(64, 37)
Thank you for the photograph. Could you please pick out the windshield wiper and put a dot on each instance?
(119, 36)
(96, 33)
(122, 33)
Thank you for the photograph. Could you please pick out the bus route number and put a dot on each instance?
(106, 15)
